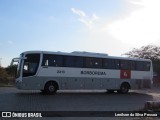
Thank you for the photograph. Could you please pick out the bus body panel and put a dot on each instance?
(141, 75)
(83, 78)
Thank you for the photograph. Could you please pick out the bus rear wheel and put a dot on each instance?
(124, 88)
(50, 88)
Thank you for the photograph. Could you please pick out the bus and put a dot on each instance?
(51, 71)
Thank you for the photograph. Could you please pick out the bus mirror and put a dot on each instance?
(14, 60)
(17, 60)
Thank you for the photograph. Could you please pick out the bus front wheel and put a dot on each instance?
(50, 88)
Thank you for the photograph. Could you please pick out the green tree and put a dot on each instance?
(3, 75)
(11, 70)
(147, 52)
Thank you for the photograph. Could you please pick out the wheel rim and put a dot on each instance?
(51, 88)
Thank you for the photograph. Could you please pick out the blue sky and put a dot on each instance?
(106, 26)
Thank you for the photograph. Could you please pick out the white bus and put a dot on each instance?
(52, 71)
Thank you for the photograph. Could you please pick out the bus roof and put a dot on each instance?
(87, 54)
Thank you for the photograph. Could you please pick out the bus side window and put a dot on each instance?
(45, 61)
(147, 66)
(117, 64)
(58, 61)
(93, 62)
(89, 62)
(124, 65)
(143, 66)
(73, 61)
(52, 60)
(132, 65)
(109, 63)
(69, 61)
(139, 65)
(97, 63)
(78, 61)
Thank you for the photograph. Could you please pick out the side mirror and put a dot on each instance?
(14, 60)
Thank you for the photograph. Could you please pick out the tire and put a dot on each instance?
(50, 88)
(124, 88)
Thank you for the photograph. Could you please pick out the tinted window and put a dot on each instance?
(31, 64)
(147, 66)
(143, 66)
(124, 65)
(89, 62)
(97, 63)
(117, 64)
(132, 65)
(52, 60)
(73, 61)
(109, 64)
(93, 62)
(139, 65)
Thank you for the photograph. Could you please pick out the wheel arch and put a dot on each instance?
(52, 81)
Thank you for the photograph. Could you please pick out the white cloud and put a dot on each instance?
(96, 37)
(141, 27)
(137, 27)
(84, 18)
(78, 12)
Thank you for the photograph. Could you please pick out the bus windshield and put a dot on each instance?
(31, 64)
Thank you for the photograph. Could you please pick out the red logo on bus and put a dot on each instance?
(125, 74)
